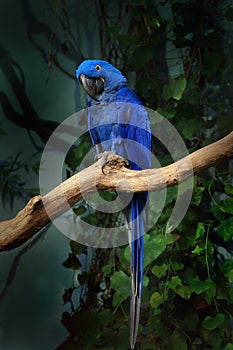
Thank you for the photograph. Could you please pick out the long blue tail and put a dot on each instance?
(137, 262)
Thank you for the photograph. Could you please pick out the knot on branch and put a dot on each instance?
(34, 204)
(112, 162)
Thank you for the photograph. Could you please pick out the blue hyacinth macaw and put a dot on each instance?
(126, 132)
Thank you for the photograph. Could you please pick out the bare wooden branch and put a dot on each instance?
(33, 216)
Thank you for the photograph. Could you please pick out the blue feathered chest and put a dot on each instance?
(119, 123)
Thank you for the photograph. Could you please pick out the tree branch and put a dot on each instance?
(34, 217)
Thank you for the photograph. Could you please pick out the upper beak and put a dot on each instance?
(93, 86)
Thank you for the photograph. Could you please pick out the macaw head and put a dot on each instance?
(97, 76)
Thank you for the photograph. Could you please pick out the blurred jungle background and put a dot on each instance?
(58, 294)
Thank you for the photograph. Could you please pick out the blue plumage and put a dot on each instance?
(119, 123)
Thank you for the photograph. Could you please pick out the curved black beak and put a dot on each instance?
(93, 86)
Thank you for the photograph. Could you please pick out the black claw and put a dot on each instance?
(105, 156)
(102, 168)
(127, 164)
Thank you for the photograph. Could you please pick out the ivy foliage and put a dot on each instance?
(179, 53)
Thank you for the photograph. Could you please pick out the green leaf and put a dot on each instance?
(171, 194)
(120, 282)
(167, 91)
(218, 213)
(211, 323)
(174, 282)
(199, 286)
(179, 87)
(187, 241)
(126, 254)
(175, 88)
(71, 160)
(200, 230)
(177, 266)
(157, 299)
(75, 155)
(197, 195)
(209, 294)
(198, 250)
(168, 113)
(197, 341)
(184, 291)
(80, 210)
(228, 266)
(225, 229)
(188, 127)
(228, 189)
(159, 270)
(170, 238)
(145, 281)
(229, 346)
(108, 196)
(154, 247)
(107, 268)
(227, 206)
(229, 275)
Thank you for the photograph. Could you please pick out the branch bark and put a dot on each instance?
(34, 216)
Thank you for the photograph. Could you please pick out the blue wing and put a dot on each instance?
(123, 127)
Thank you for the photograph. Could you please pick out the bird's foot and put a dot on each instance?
(112, 160)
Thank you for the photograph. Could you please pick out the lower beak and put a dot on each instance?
(93, 86)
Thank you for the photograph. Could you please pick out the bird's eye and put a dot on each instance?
(98, 67)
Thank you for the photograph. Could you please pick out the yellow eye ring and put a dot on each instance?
(98, 67)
